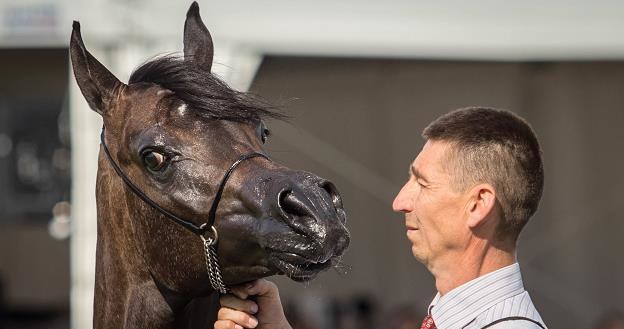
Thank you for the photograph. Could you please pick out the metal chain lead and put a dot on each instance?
(212, 265)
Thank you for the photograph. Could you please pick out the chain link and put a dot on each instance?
(212, 265)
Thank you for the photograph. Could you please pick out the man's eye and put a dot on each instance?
(154, 160)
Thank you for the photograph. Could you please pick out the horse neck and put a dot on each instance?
(126, 296)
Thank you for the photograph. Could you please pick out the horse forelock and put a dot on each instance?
(202, 92)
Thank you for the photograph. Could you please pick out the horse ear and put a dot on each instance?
(96, 82)
(197, 41)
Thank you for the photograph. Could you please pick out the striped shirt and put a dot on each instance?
(484, 301)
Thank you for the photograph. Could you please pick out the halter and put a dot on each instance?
(206, 231)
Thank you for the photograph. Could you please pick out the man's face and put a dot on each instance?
(435, 214)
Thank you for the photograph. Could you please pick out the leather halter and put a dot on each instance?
(202, 230)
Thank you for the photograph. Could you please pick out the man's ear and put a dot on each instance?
(96, 82)
(481, 204)
(197, 41)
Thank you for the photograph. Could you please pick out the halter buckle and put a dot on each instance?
(206, 236)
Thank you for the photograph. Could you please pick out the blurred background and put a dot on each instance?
(360, 81)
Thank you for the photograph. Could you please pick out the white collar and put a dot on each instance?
(463, 304)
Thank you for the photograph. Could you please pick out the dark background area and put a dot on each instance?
(34, 176)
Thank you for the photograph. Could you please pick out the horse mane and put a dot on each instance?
(204, 93)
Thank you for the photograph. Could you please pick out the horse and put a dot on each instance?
(188, 201)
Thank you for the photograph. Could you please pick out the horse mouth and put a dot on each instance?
(297, 267)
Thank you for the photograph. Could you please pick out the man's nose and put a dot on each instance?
(402, 202)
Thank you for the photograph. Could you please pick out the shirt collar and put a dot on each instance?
(461, 305)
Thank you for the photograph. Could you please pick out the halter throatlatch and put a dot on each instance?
(206, 231)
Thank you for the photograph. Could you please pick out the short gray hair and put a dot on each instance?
(499, 148)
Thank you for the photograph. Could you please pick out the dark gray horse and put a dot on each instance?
(182, 154)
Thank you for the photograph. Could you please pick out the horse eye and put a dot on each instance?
(153, 160)
(263, 132)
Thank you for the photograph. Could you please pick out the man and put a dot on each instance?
(471, 190)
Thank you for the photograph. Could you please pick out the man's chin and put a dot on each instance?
(418, 253)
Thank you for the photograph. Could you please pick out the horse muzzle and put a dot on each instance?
(309, 233)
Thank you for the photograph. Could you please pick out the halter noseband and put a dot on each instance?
(206, 231)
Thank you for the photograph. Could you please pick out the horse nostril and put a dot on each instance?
(281, 201)
(330, 188)
(290, 206)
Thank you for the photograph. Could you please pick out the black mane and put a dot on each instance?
(203, 92)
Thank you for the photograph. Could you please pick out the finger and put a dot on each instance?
(233, 302)
(240, 291)
(263, 287)
(238, 317)
(226, 324)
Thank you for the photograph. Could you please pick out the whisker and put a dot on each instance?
(341, 268)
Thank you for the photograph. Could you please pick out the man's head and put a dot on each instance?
(480, 167)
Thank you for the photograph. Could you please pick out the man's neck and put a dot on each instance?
(469, 265)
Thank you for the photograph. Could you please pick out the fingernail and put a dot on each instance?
(249, 285)
(253, 322)
(254, 308)
(237, 326)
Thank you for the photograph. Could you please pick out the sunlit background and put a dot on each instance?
(360, 80)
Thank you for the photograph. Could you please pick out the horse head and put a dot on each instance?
(173, 131)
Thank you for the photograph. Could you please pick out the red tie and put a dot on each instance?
(428, 323)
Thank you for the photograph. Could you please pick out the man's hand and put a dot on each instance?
(238, 312)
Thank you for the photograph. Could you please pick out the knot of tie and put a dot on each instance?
(428, 323)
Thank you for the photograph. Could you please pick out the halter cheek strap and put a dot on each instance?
(206, 231)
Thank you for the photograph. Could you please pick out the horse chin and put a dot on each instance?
(297, 267)
(239, 275)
